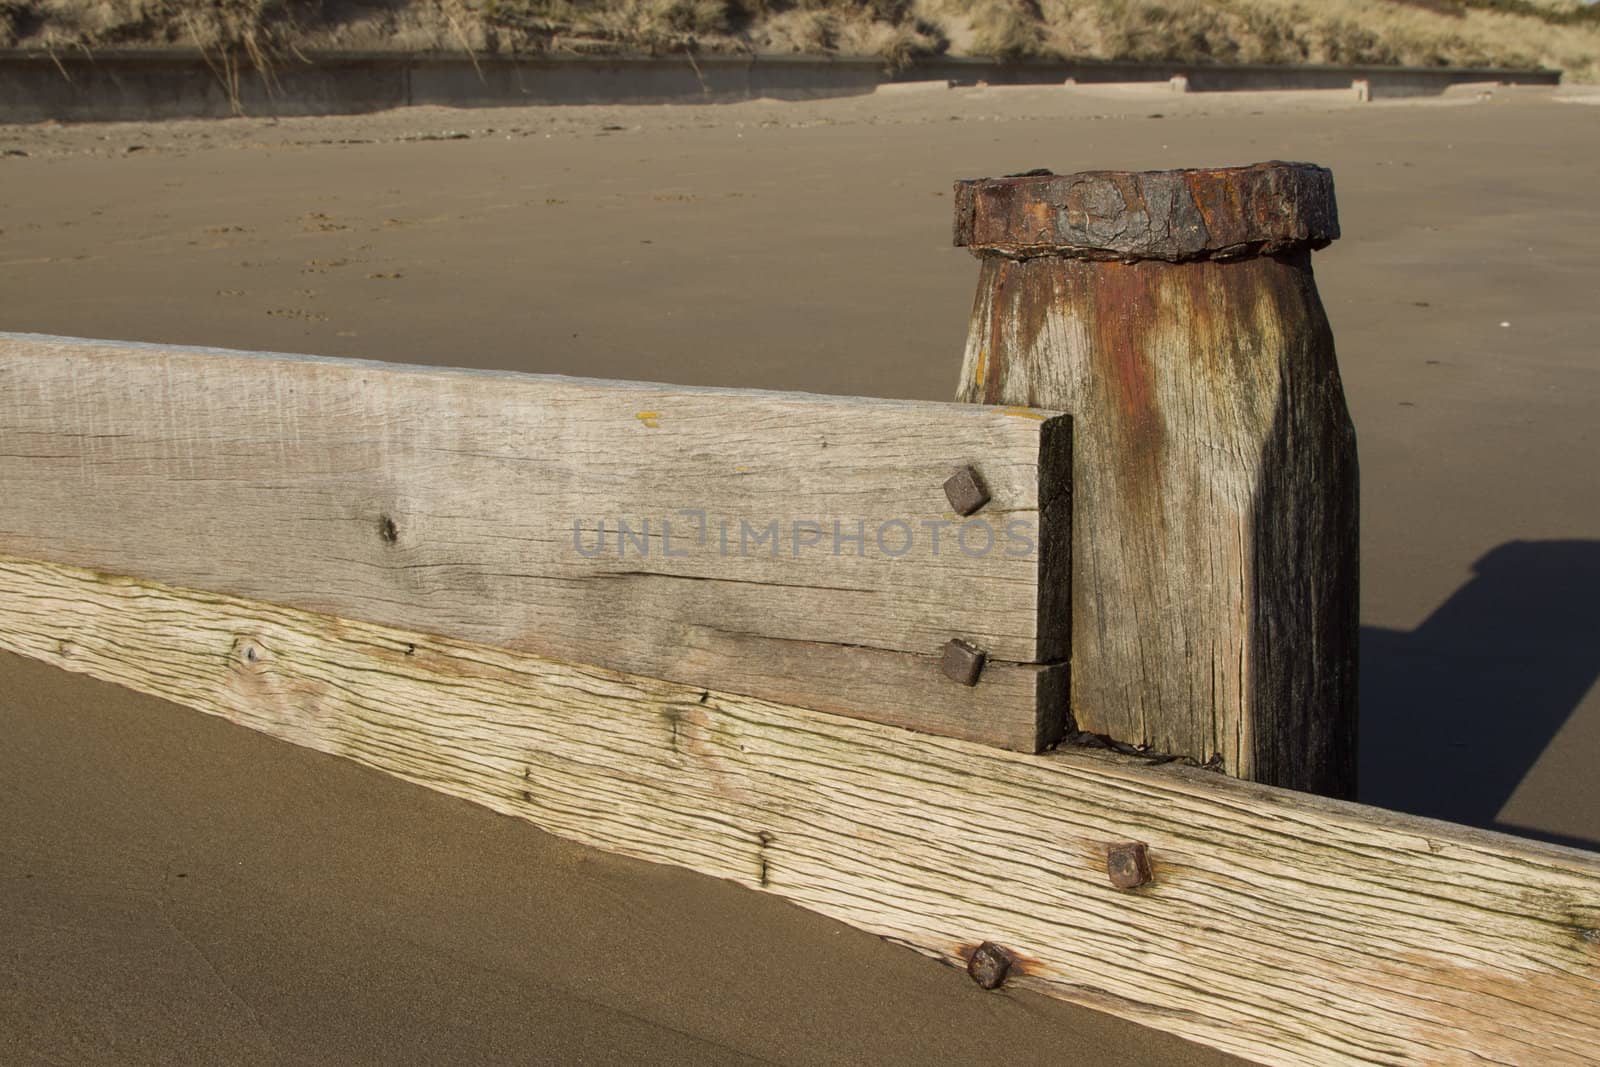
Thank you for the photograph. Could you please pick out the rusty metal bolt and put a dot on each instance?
(988, 965)
(963, 661)
(1128, 864)
(966, 491)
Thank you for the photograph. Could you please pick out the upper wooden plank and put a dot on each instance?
(781, 545)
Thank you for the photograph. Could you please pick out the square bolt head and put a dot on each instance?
(966, 491)
(1128, 864)
(963, 661)
(988, 965)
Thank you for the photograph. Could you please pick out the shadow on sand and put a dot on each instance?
(1456, 712)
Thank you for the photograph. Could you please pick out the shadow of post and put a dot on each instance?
(1455, 713)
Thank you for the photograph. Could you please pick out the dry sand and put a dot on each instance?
(326, 913)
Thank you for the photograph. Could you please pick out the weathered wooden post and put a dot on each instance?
(1175, 316)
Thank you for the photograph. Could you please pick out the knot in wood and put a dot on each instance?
(1171, 215)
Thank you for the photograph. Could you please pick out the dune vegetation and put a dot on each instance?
(1558, 33)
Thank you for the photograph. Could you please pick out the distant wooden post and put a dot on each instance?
(1175, 316)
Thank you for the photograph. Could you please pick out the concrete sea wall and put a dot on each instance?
(136, 85)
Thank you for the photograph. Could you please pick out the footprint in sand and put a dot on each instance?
(394, 223)
(319, 222)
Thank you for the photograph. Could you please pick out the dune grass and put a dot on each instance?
(1560, 33)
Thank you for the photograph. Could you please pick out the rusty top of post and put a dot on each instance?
(1171, 215)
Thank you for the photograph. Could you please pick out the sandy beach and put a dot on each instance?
(176, 889)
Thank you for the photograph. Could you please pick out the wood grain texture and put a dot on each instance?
(1285, 928)
(445, 501)
(1215, 562)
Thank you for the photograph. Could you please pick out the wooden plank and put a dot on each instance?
(445, 501)
(1175, 315)
(1286, 928)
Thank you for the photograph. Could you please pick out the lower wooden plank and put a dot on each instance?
(1279, 927)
